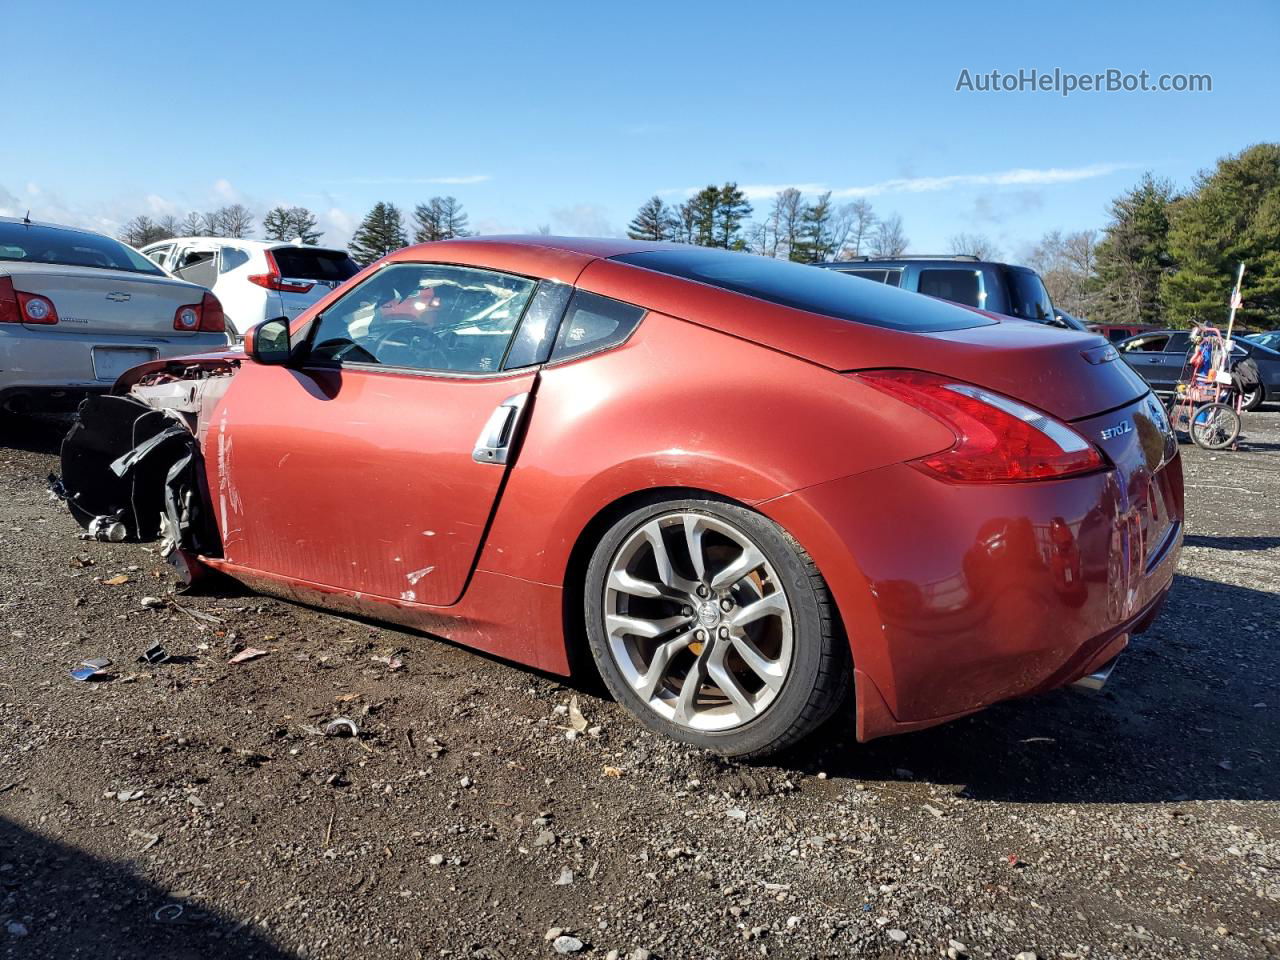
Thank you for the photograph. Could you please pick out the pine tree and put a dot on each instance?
(381, 232)
(732, 209)
(703, 208)
(1134, 253)
(654, 221)
(1231, 217)
(815, 232)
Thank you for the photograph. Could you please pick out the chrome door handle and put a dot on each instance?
(494, 443)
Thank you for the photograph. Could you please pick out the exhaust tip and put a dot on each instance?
(1096, 680)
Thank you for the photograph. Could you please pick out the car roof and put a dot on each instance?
(54, 226)
(602, 247)
(908, 259)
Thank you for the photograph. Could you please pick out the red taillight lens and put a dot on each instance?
(212, 319)
(36, 309)
(204, 317)
(272, 281)
(8, 302)
(998, 440)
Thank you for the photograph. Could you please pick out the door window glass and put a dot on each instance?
(198, 266)
(159, 253)
(1152, 344)
(958, 286)
(425, 317)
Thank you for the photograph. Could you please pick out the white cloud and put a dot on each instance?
(582, 220)
(463, 180)
(1020, 177)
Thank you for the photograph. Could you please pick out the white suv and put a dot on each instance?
(255, 280)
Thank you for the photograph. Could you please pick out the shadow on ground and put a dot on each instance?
(1232, 543)
(1177, 722)
(35, 434)
(72, 904)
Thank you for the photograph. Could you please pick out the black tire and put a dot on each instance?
(1215, 426)
(818, 678)
(1252, 400)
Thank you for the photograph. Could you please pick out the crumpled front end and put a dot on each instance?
(132, 468)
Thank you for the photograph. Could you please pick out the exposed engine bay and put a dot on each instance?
(133, 462)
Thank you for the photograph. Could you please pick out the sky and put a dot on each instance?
(569, 115)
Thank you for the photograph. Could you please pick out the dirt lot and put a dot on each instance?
(191, 810)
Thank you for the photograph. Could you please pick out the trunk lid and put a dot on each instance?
(114, 302)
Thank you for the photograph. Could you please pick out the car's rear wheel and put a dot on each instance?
(1252, 400)
(714, 627)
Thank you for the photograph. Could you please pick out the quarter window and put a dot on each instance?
(424, 316)
(593, 323)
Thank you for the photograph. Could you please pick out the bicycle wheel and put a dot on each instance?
(1215, 426)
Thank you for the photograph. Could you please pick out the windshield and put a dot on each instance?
(32, 243)
(1028, 298)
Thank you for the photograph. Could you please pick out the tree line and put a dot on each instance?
(1168, 256)
(793, 228)
(233, 220)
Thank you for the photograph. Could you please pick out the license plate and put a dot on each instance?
(110, 362)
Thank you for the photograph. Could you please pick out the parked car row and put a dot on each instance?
(255, 279)
(78, 309)
(1160, 356)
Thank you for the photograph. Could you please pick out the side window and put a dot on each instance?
(198, 266)
(893, 278)
(1178, 343)
(424, 316)
(232, 258)
(1153, 344)
(159, 253)
(879, 276)
(958, 286)
(593, 323)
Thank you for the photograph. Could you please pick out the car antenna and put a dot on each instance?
(27, 218)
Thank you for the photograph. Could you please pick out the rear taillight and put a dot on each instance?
(19, 307)
(273, 281)
(8, 302)
(203, 317)
(998, 440)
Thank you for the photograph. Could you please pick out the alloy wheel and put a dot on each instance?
(698, 621)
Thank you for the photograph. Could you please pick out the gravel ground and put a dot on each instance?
(195, 810)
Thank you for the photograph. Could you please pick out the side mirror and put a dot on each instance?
(268, 342)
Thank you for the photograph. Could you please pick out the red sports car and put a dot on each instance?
(747, 487)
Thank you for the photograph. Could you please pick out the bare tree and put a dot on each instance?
(787, 221)
(855, 222)
(192, 225)
(236, 221)
(975, 245)
(1068, 265)
(142, 230)
(888, 239)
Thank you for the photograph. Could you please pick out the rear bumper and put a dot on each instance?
(41, 370)
(955, 598)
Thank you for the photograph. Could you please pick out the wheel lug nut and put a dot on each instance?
(700, 636)
(724, 633)
(686, 611)
(726, 604)
(702, 590)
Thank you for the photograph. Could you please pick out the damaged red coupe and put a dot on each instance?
(756, 492)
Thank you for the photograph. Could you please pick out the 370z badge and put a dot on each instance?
(1121, 428)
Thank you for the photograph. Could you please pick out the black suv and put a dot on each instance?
(997, 287)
